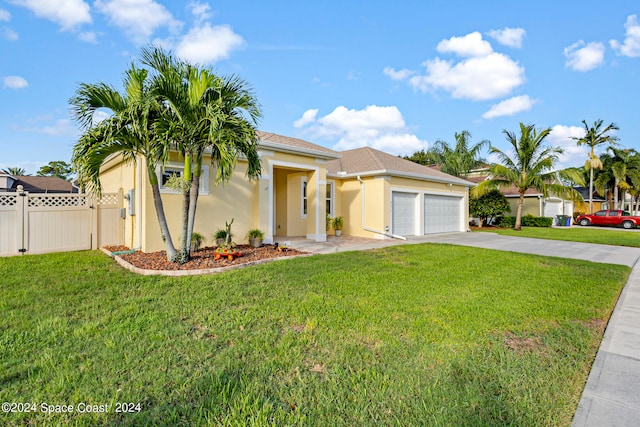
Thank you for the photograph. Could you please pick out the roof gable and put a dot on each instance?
(286, 143)
(367, 160)
(43, 184)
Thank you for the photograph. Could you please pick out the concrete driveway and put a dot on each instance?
(612, 394)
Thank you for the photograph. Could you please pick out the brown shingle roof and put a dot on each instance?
(367, 160)
(43, 184)
(267, 139)
(513, 191)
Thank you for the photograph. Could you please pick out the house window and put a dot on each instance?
(303, 196)
(177, 169)
(167, 174)
(329, 199)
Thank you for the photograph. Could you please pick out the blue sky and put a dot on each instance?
(396, 76)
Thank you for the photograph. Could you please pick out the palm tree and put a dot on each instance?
(531, 166)
(620, 170)
(204, 112)
(15, 171)
(593, 137)
(128, 131)
(462, 158)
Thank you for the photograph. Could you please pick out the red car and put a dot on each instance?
(611, 218)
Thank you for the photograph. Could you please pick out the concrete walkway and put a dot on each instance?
(612, 394)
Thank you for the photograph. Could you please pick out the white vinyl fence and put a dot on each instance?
(41, 223)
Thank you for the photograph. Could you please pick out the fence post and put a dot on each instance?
(22, 219)
(93, 205)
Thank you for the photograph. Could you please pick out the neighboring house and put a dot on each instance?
(599, 202)
(377, 194)
(534, 202)
(36, 184)
(537, 205)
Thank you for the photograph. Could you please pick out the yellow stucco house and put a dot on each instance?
(378, 195)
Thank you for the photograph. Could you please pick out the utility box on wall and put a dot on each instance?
(131, 197)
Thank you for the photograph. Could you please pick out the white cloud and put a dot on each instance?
(201, 11)
(309, 116)
(139, 19)
(353, 75)
(584, 57)
(510, 107)
(88, 37)
(99, 116)
(207, 44)
(511, 37)
(378, 127)
(9, 34)
(392, 143)
(5, 16)
(483, 74)
(631, 45)
(399, 74)
(470, 45)
(69, 14)
(61, 127)
(562, 136)
(15, 82)
(479, 78)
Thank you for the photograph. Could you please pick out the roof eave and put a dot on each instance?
(402, 174)
(299, 150)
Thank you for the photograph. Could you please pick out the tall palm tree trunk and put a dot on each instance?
(193, 197)
(591, 190)
(185, 243)
(518, 225)
(162, 220)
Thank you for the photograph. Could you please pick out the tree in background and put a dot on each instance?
(595, 136)
(488, 206)
(460, 159)
(15, 171)
(530, 166)
(620, 174)
(425, 158)
(56, 168)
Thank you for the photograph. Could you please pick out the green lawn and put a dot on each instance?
(410, 335)
(574, 234)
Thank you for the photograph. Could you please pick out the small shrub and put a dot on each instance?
(197, 238)
(489, 206)
(508, 222)
(220, 233)
(527, 221)
(196, 241)
(338, 223)
(255, 233)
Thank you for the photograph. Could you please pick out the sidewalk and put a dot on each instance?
(612, 394)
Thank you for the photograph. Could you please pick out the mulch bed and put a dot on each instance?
(202, 259)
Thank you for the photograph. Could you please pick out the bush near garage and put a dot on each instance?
(489, 206)
(527, 221)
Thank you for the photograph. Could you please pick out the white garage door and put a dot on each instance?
(442, 214)
(403, 213)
